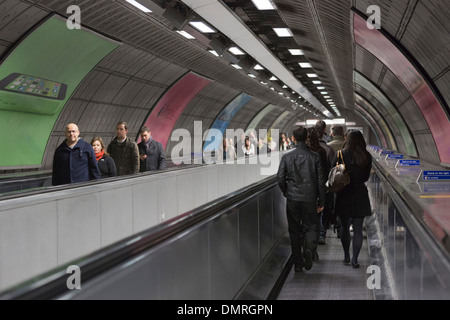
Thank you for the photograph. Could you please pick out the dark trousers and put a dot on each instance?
(303, 223)
(326, 216)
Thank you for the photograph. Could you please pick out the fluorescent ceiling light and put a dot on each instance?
(305, 65)
(139, 6)
(236, 66)
(296, 52)
(327, 97)
(263, 4)
(321, 88)
(324, 92)
(317, 82)
(251, 75)
(185, 34)
(202, 27)
(283, 32)
(236, 51)
(280, 93)
(285, 87)
(214, 52)
(258, 67)
(273, 78)
(312, 75)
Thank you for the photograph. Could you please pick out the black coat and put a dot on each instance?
(107, 167)
(353, 200)
(74, 165)
(156, 156)
(300, 175)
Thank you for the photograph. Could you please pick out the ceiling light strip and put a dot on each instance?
(217, 14)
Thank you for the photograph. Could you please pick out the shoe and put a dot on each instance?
(322, 241)
(298, 269)
(355, 265)
(308, 259)
(346, 260)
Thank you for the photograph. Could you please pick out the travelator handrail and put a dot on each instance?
(52, 284)
(437, 249)
(47, 175)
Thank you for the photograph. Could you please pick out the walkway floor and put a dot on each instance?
(330, 278)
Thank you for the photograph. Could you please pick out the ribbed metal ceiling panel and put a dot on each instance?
(322, 30)
(393, 13)
(429, 23)
(394, 88)
(368, 65)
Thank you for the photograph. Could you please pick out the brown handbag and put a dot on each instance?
(338, 177)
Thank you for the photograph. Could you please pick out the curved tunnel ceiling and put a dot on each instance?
(129, 82)
(407, 145)
(434, 113)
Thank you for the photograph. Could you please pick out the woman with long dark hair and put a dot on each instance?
(353, 201)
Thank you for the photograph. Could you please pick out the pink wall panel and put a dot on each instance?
(383, 49)
(166, 113)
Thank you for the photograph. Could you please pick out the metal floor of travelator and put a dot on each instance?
(329, 278)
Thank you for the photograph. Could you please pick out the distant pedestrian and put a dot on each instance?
(337, 132)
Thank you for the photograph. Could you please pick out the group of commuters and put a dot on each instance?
(75, 160)
(310, 207)
(249, 145)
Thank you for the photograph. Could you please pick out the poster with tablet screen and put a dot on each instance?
(37, 78)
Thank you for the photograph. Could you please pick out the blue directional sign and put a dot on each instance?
(408, 163)
(436, 187)
(386, 152)
(436, 175)
(394, 156)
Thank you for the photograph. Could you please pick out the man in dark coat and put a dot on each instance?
(151, 152)
(124, 151)
(74, 159)
(301, 179)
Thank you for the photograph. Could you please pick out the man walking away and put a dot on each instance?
(301, 179)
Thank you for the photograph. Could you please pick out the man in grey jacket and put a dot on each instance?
(301, 179)
(151, 152)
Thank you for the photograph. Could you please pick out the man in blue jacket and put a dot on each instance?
(74, 159)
